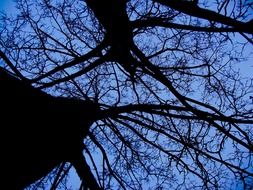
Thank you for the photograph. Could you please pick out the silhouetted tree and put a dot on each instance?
(134, 94)
(39, 132)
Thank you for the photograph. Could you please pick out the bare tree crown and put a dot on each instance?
(172, 80)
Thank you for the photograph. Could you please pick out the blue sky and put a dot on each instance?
(3, 4)
(6, 4)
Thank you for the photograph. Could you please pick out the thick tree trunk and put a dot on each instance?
(38, 131)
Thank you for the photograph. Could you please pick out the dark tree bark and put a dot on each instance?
(39, 131)
(113, 17)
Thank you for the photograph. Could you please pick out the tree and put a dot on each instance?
(173, 109)
(40, 132)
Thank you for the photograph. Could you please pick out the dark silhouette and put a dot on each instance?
(168, 109)
(113, 17)
(38, 131)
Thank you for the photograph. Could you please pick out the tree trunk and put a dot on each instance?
(38, 131)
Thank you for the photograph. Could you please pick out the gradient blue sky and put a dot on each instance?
(3, 4)
(6, 5)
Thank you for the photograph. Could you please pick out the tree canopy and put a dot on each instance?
(173, 80)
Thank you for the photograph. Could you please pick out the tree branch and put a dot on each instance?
(11, 65)
(193, 10)
(77, 74)
(84, 172)
(153, 22)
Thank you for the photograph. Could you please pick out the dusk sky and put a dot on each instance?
(3, 4)
(6, 4)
